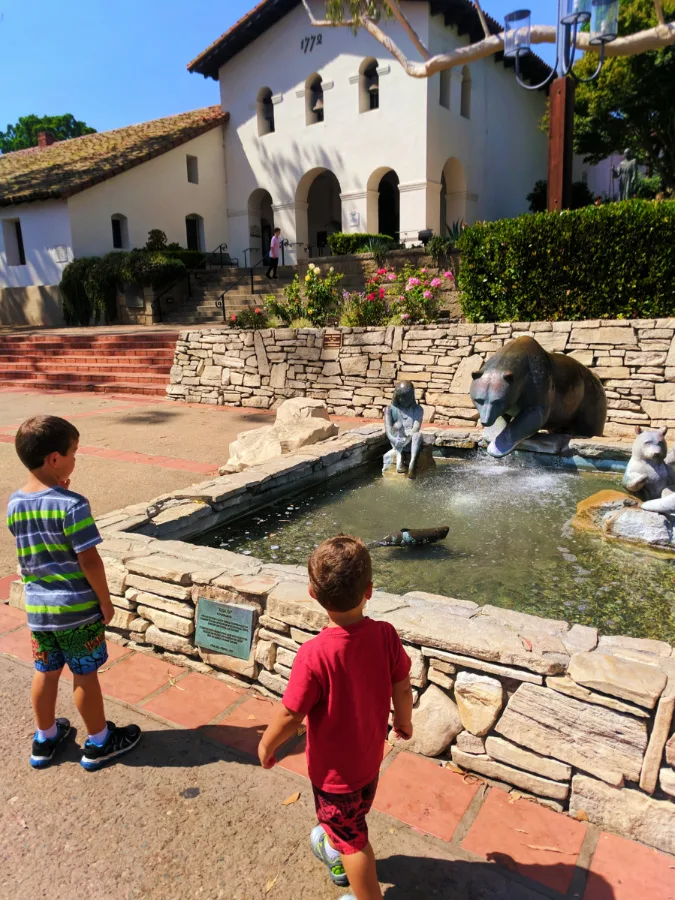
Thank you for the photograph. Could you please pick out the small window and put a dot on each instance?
(466, 93)
(194, 232)
(314, 100)
(120, 231)
(265, 112)
(192, 169)
(13, 240)
(444, 92)
(369, 86)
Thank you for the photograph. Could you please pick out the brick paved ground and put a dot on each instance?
(437, 833)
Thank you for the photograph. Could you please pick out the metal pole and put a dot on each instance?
(561, 124)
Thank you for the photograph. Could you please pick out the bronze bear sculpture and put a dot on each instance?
(532, 389)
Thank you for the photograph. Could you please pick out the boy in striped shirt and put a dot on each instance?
(67, 597)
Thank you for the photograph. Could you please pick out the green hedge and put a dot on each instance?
(191, 259)
(613, 261)
(342, 243)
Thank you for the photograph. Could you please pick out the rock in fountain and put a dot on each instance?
(403, 424)
(531, 389)
(650, 473)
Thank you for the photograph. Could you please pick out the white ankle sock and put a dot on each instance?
(332, 854)
(100, 738)
(48, 734)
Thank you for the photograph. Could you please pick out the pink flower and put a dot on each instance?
(233, 318)
(381, 293)
(427, 295)
(405, 316)
(257, 311)
(449, 275)
(391, 276)
(381, 271)
(436, 282)
(424, 271)
(371, 296)
(412, 282)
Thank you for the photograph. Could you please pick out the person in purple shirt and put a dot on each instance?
(274, 254)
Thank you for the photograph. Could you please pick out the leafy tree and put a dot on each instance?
(632, 102)
(25, 133)
(538, 198)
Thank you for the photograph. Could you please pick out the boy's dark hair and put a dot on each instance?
(277, 229)
(340, 570)
(42, 435)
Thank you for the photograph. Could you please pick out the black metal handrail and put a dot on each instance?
(220, 253)
(220, 302)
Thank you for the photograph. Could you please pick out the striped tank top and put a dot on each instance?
(51, 527)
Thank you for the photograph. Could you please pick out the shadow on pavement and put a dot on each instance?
(424, 878)
(180, 748)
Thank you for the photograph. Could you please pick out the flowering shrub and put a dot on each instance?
(407, 297)
(322, 296)
(249, 318)
(290, 309)
(415, 296)
(320, 304)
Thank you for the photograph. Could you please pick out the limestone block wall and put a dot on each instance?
(635, 360)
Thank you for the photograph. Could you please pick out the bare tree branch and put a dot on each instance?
(483, 20)
(655, 38)
(409, 30)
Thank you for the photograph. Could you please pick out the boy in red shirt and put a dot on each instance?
(343, 681)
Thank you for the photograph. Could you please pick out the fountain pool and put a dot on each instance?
(510, 542)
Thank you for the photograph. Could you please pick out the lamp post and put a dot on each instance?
(604, 17)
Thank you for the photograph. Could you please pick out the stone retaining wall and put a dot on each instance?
(635, 360)
(580, 722)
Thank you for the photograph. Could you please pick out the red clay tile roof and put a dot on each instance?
(68, 167)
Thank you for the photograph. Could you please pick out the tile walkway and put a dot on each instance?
(563, 857)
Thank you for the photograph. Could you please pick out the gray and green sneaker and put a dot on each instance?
(336, 871)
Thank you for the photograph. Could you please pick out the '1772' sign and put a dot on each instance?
(309, 43)
(225, 628)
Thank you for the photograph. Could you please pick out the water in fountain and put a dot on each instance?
(510, 542)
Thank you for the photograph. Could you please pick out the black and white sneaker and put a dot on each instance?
(118, 742)
(43, 751)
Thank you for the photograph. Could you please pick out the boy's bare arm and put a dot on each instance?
(92, 565)
(284, 725)
(402, 696)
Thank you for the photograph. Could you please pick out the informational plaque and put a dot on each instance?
(225, 628)
(332, 341)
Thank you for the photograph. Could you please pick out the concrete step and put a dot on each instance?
(129, 387)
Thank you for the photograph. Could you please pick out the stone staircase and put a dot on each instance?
(207, 288)
(106, 361)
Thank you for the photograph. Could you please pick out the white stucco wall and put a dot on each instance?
(44, 227)
(357, 147)
(156, 194)
(500, 148)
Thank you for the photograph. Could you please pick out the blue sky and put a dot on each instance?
(113, 64)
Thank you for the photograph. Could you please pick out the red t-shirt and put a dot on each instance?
(341, 680)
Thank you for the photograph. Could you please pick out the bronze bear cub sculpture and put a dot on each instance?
(532, 389)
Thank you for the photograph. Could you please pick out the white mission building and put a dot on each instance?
(328, 133)
(320, 131)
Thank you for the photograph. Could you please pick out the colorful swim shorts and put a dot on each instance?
(343, 816)
(83, 648)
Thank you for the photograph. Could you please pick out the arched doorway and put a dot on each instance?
(384, 203)
(389, 205)
(194, 232)
(453, 195)
(319, 210)
(260, 224)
